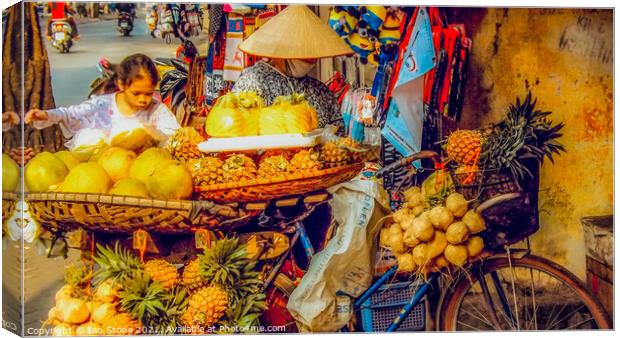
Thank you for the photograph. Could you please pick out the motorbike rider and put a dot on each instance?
(126, 7)
(61, 10)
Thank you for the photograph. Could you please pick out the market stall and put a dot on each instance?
(356, 194)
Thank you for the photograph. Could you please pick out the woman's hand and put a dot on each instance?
(16, 155)
(10, 117)
(35, 115)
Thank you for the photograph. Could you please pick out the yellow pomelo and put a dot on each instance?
(131, 136)
(171, 180)
(117, 162)
(87, 177)
(88, 144)
(43, 171)
(68, 158)
(129, 187)
(10, 173)
(147, 162)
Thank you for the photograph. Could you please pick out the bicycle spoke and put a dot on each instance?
(533, 298)
(482, 319)
(580, 323)
(462, 323)
(568, 315)
(553, 321)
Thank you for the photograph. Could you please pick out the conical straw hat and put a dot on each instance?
(295, 33)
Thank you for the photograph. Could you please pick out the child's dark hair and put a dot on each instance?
(134, 67)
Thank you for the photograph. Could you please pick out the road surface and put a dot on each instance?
(72, 73)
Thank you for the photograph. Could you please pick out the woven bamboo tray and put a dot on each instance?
(272, 188)
(62, 212)
(9, 201)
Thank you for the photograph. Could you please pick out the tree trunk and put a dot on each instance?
(35, 83)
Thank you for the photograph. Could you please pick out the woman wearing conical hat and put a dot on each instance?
(292, 42)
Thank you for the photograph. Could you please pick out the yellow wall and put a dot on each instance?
(566, 58)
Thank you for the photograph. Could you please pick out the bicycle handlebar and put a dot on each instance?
(409, 159)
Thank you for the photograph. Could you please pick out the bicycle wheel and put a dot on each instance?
(523, 293)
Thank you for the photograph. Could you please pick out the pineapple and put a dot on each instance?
(162, 272)
(306, 160)
(332, 155)
(464, 146)
(206, 170)
(206, 306)
(183, 144)
(238, 168)
(121, 324)
(192, 279)
(524, 131)
(115, 265)
(273, 166)
(78, 280)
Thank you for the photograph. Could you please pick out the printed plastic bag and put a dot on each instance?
(319, 303)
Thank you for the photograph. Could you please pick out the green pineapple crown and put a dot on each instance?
(117, 264)
(525, 132)
(226, 264)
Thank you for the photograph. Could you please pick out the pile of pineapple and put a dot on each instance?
(218, 289)
(434, 229)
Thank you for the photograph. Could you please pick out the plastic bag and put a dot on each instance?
(346, 264)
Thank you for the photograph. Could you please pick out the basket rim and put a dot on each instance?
(109, 199)
(279, 179)
(9, 195)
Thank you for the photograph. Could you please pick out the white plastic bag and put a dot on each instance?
(346, 264)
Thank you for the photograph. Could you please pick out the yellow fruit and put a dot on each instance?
(163, 272)
(273, 166)
(456, 254)
(65, 292)
(72, 310)
(68, 158)
(464, 146)
(10, 173)
(129, 187)
(192, 279)
(145, 163)
(117, 162)
(183, 144)
(107, 292)
(170, 181)
(88, 177)
(207, 306)
(89, 329)
(131, 136)
(43, 171)
(206, 170)
(88, 144)
(288, 115)
(238, 168)
(104, 311)
(305, 161)
(333, 155)
(121, 324)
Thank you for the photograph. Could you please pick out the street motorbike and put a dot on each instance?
(61, 35)
(125, 23)
(151, 21)
(167, 26)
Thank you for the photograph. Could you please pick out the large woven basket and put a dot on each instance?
(9, 201)
(272, 188)
(62, 212)
(510, 221)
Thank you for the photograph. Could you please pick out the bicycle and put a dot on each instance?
(502, 291)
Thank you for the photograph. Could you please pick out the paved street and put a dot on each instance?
(72, 73)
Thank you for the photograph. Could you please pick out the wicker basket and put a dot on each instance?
(62, 212)
(510, 221)
(9, 201)
(272, 188)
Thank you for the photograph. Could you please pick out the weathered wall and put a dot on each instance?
(565, 56)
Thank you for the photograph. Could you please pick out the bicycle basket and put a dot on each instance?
(510, 221)
(380, 310)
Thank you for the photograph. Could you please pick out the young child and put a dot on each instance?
(132, 104)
